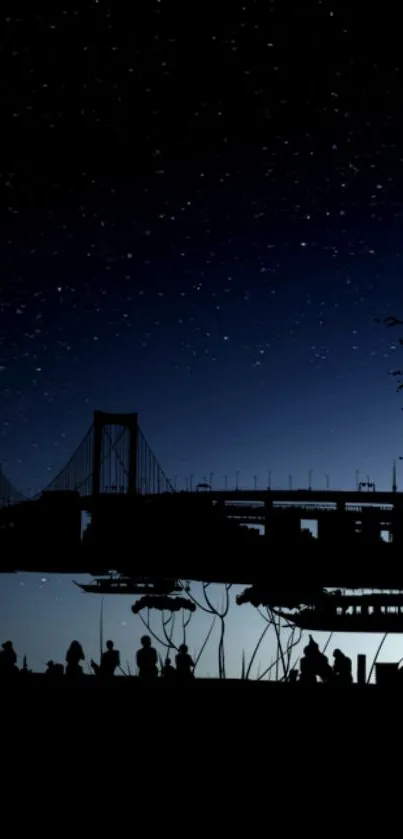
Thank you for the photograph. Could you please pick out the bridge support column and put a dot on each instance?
(128, 421)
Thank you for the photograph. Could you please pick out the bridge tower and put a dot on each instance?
(129, 423)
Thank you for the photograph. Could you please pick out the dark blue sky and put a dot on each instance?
(201, 219)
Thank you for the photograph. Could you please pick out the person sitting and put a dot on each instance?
(8, 660)
(168, 672)
(313, 664)
(342, 668)
(74, 655)
(54, 670)
(110, 660)
(184, 663)
(147, 659)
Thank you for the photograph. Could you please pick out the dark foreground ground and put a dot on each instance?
(132, 684)
(242, 700)
(201, 690)
(227, 720)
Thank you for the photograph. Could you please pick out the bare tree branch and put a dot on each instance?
(166, 638)
(164, 623)
(293, 641)
(204, 644)
(151, 631)
(268, 670)
(256, 648)
(221, 615)
(375, 658)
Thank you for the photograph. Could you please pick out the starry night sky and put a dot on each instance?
(201, 218)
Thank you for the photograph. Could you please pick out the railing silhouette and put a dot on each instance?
(114, 457)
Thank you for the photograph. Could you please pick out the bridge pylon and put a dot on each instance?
(103, 441)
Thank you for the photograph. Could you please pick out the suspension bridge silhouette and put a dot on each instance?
(112, 457)
(138, 526)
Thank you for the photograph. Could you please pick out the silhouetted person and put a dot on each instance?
(342, 668)
(293, 677)
(184, 663)
(168, 671)
(8, 660)
(308, 669)
(74, 655)
(313, 664)
(146, 659)
(54, 670)
(110, 660)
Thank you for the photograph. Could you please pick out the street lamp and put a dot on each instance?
(327, 482)
(237, 480)
(191, 482)
(269, 479)
(225, 482)
(255, 481)
(310, 473)
(211, 479)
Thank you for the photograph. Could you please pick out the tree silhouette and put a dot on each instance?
(284, 647)
(170, 634)
(390, 322)
(165, 634)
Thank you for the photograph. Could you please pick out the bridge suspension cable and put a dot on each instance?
(151, 479)
(8, 493)
(114, 456)
(76, 475)
(108, 467)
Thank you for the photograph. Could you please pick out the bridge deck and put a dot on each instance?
(191, 536)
